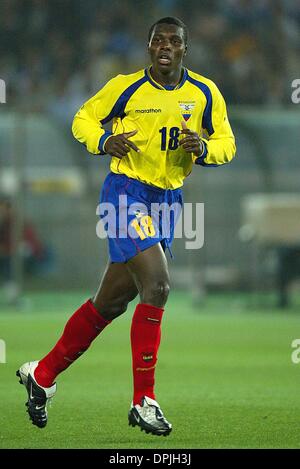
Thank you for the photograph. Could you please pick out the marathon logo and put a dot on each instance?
(148, 111)
(153, 319)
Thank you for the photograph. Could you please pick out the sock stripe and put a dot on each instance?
(146, 369)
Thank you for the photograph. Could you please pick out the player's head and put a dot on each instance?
(167, 43)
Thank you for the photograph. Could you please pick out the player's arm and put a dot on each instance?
(219, 148)
(88, 123)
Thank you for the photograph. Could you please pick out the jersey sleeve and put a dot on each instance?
(88, 122)
(219, 147)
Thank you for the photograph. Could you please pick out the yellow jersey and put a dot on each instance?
(138, 102)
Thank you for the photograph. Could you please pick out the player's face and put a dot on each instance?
(167, 47)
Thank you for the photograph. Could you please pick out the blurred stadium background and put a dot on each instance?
(56, 54)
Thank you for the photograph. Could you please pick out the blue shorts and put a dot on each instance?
(137, 216)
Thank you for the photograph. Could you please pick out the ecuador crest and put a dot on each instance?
(186, 109)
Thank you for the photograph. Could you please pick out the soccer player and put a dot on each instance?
(166, 119)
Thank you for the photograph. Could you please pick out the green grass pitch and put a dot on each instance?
(225, 378)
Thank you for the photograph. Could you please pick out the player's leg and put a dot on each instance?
(117, 288)
(150, 272)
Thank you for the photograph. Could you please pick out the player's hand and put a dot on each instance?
(192, 143)
(119, 145)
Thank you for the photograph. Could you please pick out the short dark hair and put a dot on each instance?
(170, 20)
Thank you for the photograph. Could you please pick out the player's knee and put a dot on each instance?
(110, 312)
(111, 309)
(117, 307)
(156, 293)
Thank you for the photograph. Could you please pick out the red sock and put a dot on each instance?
(145, 340)
(81, 329)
